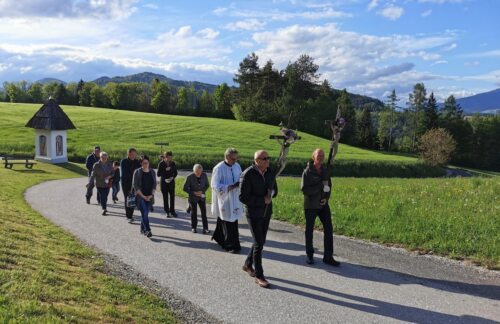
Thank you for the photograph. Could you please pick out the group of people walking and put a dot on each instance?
(234, 193)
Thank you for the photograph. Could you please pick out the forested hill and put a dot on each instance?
(147, 77)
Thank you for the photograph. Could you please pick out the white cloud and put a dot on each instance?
(279, 15)
(25, 69)
(426, 13)
(247, 24)
(208, 33)
(114, 9)
(373, 4)
(357, 61)
(392, 12)
(57, 67)
(450, 47)
(440, 62)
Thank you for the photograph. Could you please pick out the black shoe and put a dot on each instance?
(206, 231)
(174, 214)
(114, 201)
(193, 230)
(233, 251)
(168, 215)
(130, 220)
(331, 262)
(310, 259)
(149, 234)
(188, 210)
(88, 200)
(104, 212)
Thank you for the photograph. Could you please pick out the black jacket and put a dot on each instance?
(253, 189)
(312, 186)
(127, 168)
(165, 174)
(194, 184)
(90, 161)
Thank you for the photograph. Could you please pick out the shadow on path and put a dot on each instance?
(372, 306)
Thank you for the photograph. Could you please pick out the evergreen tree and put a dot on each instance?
(247, 76)
(348, 113)
(431, 113)
(451, 109)
(364, 124)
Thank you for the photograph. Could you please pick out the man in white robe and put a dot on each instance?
(226, 205)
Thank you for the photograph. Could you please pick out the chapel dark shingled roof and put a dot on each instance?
(50, 116)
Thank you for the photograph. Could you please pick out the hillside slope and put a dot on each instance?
(193, 139)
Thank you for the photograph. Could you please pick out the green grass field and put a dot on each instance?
(459, 217)
(48, 276)
(116, 130)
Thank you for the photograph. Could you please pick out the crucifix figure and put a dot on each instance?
(288, 137)
(336, 127)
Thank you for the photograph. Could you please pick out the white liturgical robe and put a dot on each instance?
(226, 204)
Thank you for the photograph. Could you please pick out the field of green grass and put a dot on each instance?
(48, 276)
(116, 130)
(458, 217)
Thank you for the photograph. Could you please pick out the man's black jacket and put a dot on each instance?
(254, 187)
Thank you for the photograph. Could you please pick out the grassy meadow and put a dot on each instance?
(458, 217)
(48, 276)
(192, 139)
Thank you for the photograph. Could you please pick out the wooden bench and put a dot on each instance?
(9, 161)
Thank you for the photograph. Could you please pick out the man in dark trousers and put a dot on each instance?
(127, 167)
(92, 158)
(167, 170)
(257, 188)
(316, 192)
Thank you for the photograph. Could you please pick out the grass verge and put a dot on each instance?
(48, 276)
(456, 217)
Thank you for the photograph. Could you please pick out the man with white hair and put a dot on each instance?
(195, 186)
(226, 205)
(257, 188)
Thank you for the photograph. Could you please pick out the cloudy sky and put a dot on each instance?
(368, 47)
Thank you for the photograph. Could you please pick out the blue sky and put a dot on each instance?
(368, 47)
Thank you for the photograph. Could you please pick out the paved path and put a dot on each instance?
(374, 284)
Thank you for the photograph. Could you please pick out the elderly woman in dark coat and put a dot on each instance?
(102, 173)
(196, 185)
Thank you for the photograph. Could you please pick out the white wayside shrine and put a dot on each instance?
(50, 124)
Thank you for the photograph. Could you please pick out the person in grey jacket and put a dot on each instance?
(144, 184)
(101, 175)
(196, 185)
(316, 192)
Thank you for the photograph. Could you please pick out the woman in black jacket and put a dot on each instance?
(167, 170)
(144, 183)
(196, 185)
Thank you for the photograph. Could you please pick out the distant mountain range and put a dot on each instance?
(486, 102)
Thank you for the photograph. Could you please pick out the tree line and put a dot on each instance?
(296, 97)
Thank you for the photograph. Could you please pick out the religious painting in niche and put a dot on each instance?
(43, 145)
(59, 145)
